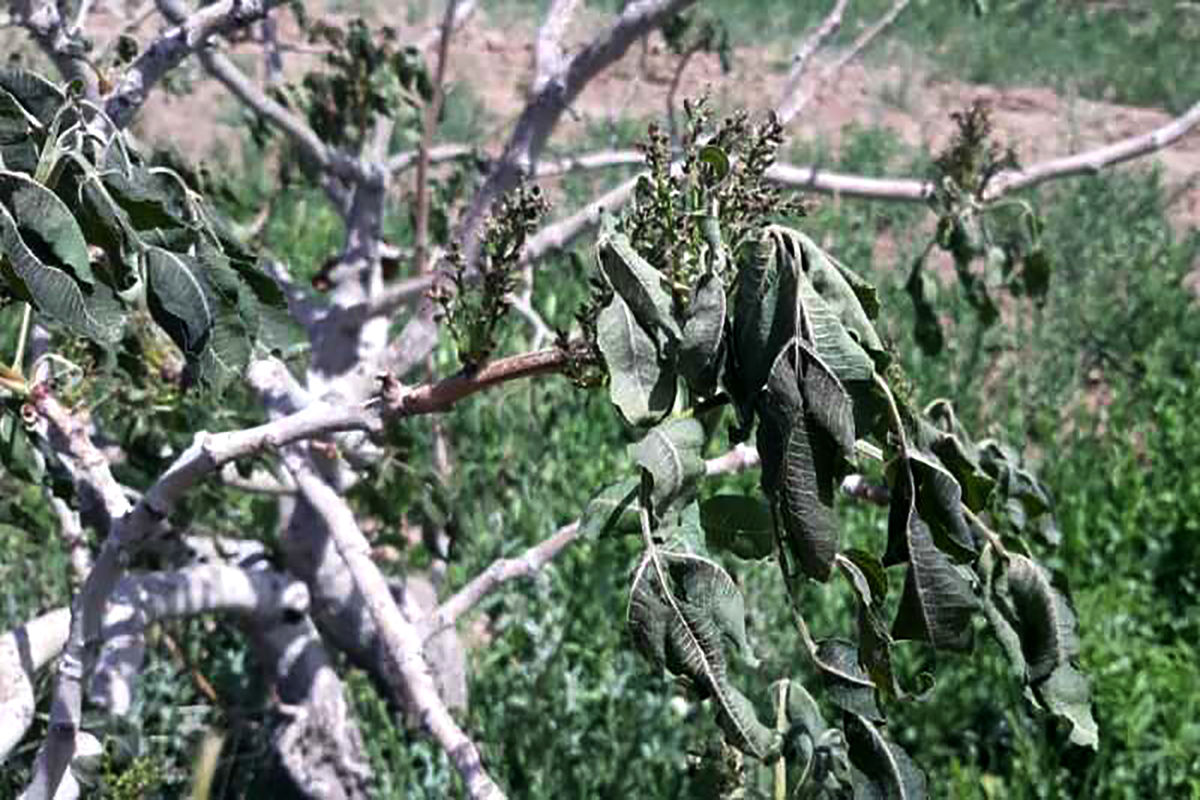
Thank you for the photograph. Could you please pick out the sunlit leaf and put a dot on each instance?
(643, 288)
(612, 512)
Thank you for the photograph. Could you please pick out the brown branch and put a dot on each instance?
(438, 397)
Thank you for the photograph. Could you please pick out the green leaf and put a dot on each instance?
(882, 769)
(739, 524)
(952, 445)
(613, 512)
(92, 311)
(642, 383)
(682, 618)
(700, 349)
(670, 452)
(869, 580)
(643, 288)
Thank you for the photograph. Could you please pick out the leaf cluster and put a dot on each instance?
(707, 309)
(472, 309)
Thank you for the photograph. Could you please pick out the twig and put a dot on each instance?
(828, 27)
(796, 100)
(739, 459)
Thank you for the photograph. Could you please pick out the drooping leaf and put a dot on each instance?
(38, 96)
(92, 312)
(18, 456)
(643, 288)
(613, 512)
(826, 400)
(819, 766)
(700, 349)
(46, 225)
(1045, 625)
(800, 470)
(642, 382)
(939, 504)
(683, 611)
(949, 441)
(869, 580)
(927, 330)
(670, 452)
(739, 524)
(882, 769)
(846, 682)
(762, 325)
(834, 320)
(937, 603)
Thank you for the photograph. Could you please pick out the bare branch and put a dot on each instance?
(446, 152)
(797, 100)
(24, 651)
(326, 158)
(400, 639)
(740, 458)
(1093, 161)
(462, 12)
(163, 54)
(828, 27)
(542, 112)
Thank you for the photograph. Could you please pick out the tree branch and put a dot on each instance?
(400, 639)
(740, 458)
(828, 27)
(421, 232)
(794, 103)
(173, 46)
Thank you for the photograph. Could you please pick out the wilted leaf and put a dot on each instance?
(937, 603)
(670, 452)
(700, 350)
(882, 769)
(612, 512)
(847, 683)
(89, 311)
(939, 504)
(642, 383)
(682, 619)
(643, 288)
(739, 524)
(762, 325)
(800, 470)
(38, 96)
(826, 400)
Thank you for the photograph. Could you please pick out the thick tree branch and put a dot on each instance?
(403, 647)
(173, 46)
(548, 47)
(24, 651)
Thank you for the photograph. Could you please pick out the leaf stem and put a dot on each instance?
(22, 337)
(897, 420)
(989, 534)
(781, 726)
